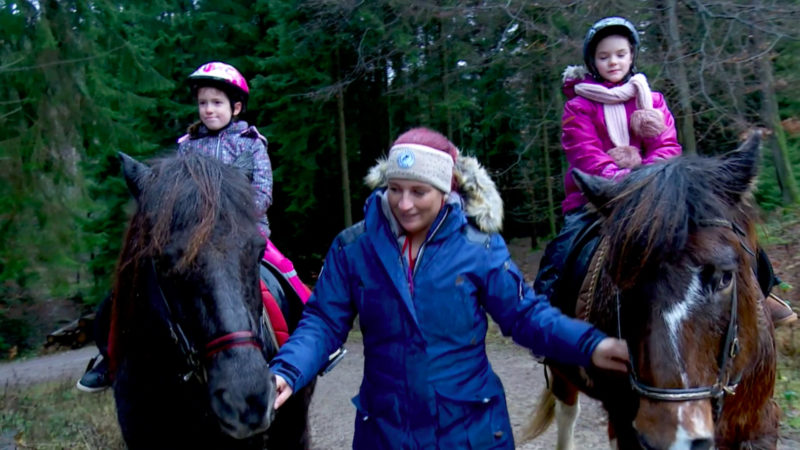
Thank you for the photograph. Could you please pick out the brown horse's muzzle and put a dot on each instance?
(675, 425)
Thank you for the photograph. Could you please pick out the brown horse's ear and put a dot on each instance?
(738, 169)
(135, 173)
(598, 190)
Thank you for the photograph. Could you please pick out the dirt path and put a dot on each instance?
(332, 413)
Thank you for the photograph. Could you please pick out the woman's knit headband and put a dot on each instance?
(421, 163)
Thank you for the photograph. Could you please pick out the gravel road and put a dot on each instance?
(332, 414)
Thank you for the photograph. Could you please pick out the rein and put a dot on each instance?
(192, 358)
(725, 384)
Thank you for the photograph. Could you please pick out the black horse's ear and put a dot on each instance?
(598, 190)
(739, 168)
(245, 163)
(135, 173)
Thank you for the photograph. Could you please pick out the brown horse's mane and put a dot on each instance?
(657, 208)
(190, 198)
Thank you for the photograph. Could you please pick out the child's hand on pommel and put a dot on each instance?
(612, 354)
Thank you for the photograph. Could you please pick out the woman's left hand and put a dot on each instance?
(612, 354)
(284, 391)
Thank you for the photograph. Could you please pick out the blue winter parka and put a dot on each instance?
(427, 380)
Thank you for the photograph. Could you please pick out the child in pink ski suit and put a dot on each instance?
(612, 123)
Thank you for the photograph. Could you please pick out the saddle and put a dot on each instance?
(285, 296)
(282, 292)
(573, 289)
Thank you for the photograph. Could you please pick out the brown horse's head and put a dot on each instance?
(187, 299)
(679, 285)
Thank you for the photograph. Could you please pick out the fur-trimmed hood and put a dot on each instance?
(482, 202)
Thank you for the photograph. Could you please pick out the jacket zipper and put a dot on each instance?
(413, 272)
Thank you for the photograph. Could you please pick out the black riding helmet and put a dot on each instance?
(602, 29)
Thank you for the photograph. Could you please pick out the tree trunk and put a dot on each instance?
(346, 201)
(548, 178)
(445, 80)
(686, 116)
(777, 140)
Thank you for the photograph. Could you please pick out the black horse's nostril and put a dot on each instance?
(702, 444)
(257, 410)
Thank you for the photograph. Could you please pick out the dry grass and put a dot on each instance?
(55, 415)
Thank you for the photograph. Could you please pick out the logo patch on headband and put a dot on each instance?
(405, 159)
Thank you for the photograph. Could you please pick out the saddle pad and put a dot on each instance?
(275, 315)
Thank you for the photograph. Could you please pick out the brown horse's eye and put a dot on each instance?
(725, 280)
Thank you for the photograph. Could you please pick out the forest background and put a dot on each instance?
(332, 83)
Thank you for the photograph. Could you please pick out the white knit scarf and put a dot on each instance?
(613, 100)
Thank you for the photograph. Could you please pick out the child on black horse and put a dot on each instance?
(221, 93)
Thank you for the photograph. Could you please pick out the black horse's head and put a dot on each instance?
(188, 284)
(678, 285)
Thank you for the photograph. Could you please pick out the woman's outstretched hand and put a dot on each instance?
(612, 354)
(284, 391)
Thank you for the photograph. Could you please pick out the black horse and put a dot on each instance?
(189, 344)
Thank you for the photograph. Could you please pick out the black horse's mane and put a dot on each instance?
(183, 198)
(193, 195)
(657, 207)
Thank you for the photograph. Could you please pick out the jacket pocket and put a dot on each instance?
(376, 421)
(473, 421)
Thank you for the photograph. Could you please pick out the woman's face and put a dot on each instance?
(613, 58)
(414, 204)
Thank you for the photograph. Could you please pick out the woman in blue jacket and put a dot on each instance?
(422, 270)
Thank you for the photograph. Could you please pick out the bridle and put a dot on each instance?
(192, 358)
(725, 384)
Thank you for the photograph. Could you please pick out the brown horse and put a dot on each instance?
(189, 343)
(674, 277)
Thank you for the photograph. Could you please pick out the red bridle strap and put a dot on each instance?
(231, 340)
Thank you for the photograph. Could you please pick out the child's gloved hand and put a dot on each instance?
(626, 156)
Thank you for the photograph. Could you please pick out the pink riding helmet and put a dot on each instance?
(219, 74)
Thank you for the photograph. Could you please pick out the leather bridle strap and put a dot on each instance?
(224, 342)
(728, 351)
(231, 340)
(724, 384)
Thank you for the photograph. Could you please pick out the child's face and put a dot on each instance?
(613, 58)
(214, 108)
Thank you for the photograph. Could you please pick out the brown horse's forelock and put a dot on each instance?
(655, 211)
(195, 194)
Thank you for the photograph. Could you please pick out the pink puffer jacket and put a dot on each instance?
(585, 139)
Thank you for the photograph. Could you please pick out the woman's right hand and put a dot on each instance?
(284, 391)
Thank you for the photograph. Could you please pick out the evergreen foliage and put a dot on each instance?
(81, 80)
